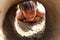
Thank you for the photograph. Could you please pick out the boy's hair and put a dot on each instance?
(27, 5)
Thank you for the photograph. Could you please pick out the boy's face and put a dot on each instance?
(28, 9)
(29, 14)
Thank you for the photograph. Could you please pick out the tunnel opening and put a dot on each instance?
(50, 22)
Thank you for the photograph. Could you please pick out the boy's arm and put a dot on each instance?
(19, 15)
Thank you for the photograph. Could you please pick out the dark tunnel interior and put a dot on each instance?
(52, 31)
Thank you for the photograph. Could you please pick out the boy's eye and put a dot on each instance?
(33, 11)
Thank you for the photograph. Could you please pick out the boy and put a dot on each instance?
(30, 11)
